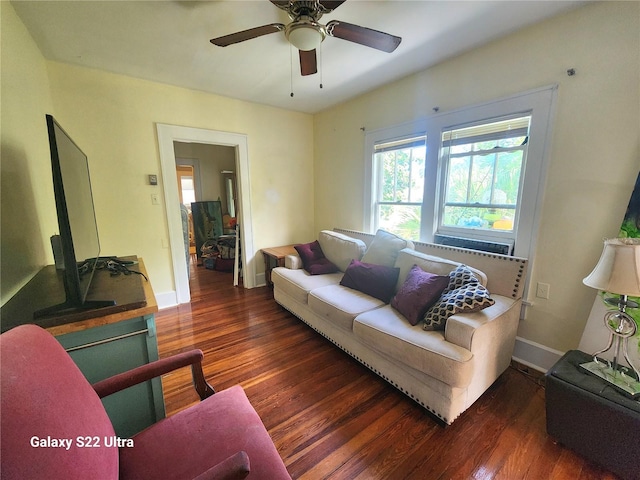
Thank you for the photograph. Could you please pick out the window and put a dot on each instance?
(188, 190)
(186, 185)
(483, 165)
(482, 170)
(400, 189)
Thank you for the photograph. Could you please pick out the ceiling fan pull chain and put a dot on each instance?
(291, 67)
(320, 55)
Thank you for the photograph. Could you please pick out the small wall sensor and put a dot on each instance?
(153, 180)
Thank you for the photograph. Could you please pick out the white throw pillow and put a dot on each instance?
(384, 248)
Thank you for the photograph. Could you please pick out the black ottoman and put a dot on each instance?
(588, 416)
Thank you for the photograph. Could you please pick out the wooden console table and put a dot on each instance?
(274, 257)
(104, 341)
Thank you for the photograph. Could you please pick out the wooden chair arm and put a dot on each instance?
(151, 370)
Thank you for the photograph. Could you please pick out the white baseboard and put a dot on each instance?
(535, 355)
(170, 299)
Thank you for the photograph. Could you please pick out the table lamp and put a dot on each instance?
(618, 272)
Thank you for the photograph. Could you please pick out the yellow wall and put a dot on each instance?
(28, 217)
(113, 119)
(595, 155)
(115, 116)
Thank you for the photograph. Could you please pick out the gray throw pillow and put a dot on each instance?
(384, 249)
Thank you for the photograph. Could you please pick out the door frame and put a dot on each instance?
(167, 134)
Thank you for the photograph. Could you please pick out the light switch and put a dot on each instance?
(155, 199)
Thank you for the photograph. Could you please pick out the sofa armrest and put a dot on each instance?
(490, 336)
(293, 262)
(151, 370)
(462, 329)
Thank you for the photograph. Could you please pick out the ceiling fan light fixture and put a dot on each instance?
(305, 35)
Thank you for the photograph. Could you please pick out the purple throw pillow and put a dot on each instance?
(379, 281)
(313, 259)
(418, 293)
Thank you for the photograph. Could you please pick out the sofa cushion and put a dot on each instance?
(314, 260)
(340, 305)
(298, 283)
(340, 249)
(469, 298)
(384, 248)
(379, 281)
(418, 293)
(407, 258)
(386, 331)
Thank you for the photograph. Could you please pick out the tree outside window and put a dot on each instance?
(401, 166)
(484, 166)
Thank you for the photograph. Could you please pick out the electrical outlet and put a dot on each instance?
(543, 290)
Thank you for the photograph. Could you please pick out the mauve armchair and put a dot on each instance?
(54, 426)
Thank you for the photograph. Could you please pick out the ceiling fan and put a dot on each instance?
(306, 34)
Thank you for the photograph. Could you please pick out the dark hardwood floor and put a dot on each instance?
(331, 418)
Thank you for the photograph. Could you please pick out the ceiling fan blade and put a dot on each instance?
(283, 4)
(364, 36)
(308, 63)
(330, 5)
(327, 5)
(247, 34)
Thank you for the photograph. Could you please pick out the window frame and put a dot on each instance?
(539, 103)
(402, 143)
(506, 236)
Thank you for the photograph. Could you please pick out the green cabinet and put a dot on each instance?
(106, 350)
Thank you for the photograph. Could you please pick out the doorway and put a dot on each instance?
(187, 188)
(167, 135)
(206, 174)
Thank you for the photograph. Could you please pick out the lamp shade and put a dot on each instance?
(305, 36)
(618, 270)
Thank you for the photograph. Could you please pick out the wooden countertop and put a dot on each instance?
(133, 296)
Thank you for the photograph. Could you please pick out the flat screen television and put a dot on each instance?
(79, 240)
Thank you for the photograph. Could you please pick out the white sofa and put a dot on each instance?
(445, 371)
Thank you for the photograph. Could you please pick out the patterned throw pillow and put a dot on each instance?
(459, 277)
(469, 298)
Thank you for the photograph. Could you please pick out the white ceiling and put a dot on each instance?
(168, 42)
